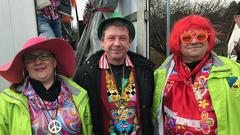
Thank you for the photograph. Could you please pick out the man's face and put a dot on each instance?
(116, 43)
(195, 47)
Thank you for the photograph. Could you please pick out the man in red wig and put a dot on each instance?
(197, 92)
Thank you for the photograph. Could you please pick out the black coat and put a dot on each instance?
(89, 77)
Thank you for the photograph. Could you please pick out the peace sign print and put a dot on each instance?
(54, 126)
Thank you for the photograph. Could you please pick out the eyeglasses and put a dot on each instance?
(200, 36)
(29, 58)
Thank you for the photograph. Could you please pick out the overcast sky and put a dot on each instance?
(80, 7)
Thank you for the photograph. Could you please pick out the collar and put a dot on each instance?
(69, 84)
(103, 63)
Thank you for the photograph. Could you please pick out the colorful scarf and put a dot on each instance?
(182, 98)
(176, 124)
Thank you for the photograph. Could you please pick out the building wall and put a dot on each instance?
(233, 38)
(18, 23)
(135, 10)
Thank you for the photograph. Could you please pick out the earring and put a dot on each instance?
(23, 74)
(55, 74)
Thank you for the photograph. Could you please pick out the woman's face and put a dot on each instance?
(40, 65)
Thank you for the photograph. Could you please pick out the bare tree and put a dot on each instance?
(218, 11)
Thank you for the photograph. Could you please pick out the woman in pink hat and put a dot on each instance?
(41, 99)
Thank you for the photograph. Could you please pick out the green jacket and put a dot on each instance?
(14, 111)
(225, 96)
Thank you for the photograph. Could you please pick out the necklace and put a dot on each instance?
(121, 101)
(54, 126)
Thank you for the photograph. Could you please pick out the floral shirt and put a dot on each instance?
(43, 112)
(207, 123)
(123, 108)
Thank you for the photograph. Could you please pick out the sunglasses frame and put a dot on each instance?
(195, 35)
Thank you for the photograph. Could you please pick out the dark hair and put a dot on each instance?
(14, 86)
(116, 23)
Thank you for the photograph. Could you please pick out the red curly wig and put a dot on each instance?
(190, 23)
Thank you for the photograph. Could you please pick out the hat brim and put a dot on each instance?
(105, 22)
(63, 53)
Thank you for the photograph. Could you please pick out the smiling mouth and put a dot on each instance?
(39, 69)
(194, 46)
(116, 51)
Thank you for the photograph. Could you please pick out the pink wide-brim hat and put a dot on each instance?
(63, 53)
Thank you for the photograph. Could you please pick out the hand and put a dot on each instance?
(66, 18)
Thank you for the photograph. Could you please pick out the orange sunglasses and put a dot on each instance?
(200, 36)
